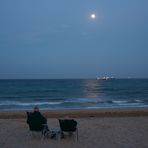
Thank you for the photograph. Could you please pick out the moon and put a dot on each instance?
(93, 16)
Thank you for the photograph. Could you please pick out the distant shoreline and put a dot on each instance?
(120, 112)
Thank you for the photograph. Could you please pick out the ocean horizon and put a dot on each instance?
(56, 94)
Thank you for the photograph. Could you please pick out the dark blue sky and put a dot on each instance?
(58, 39)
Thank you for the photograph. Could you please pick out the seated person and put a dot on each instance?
(36, 120)
(67, 125)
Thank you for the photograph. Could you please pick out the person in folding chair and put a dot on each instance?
(37, 122)
(68, 126)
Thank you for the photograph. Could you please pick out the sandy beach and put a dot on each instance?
(105, 128)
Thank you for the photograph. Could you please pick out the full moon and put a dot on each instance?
(93, 16)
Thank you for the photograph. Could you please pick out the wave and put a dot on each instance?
(27, 103)
(88, 103)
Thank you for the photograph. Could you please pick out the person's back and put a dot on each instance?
(39, 118)
(68, 124)
(36, 120)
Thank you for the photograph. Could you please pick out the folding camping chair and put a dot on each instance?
(69, 126)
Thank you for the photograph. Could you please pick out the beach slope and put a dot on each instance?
(96, 129)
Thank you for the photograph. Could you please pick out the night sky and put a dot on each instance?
(53, 39)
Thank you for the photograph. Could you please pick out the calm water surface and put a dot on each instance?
(73, 94)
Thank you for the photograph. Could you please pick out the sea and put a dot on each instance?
(57, 94)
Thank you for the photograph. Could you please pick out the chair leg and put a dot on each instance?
(77, 133)
(58, 135)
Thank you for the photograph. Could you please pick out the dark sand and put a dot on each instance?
(105, 128)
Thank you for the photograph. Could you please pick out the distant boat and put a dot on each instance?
(104, 78)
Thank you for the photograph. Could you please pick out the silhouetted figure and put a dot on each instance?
(69, 126)
(36, 120)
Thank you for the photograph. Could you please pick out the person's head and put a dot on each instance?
(36, 109)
